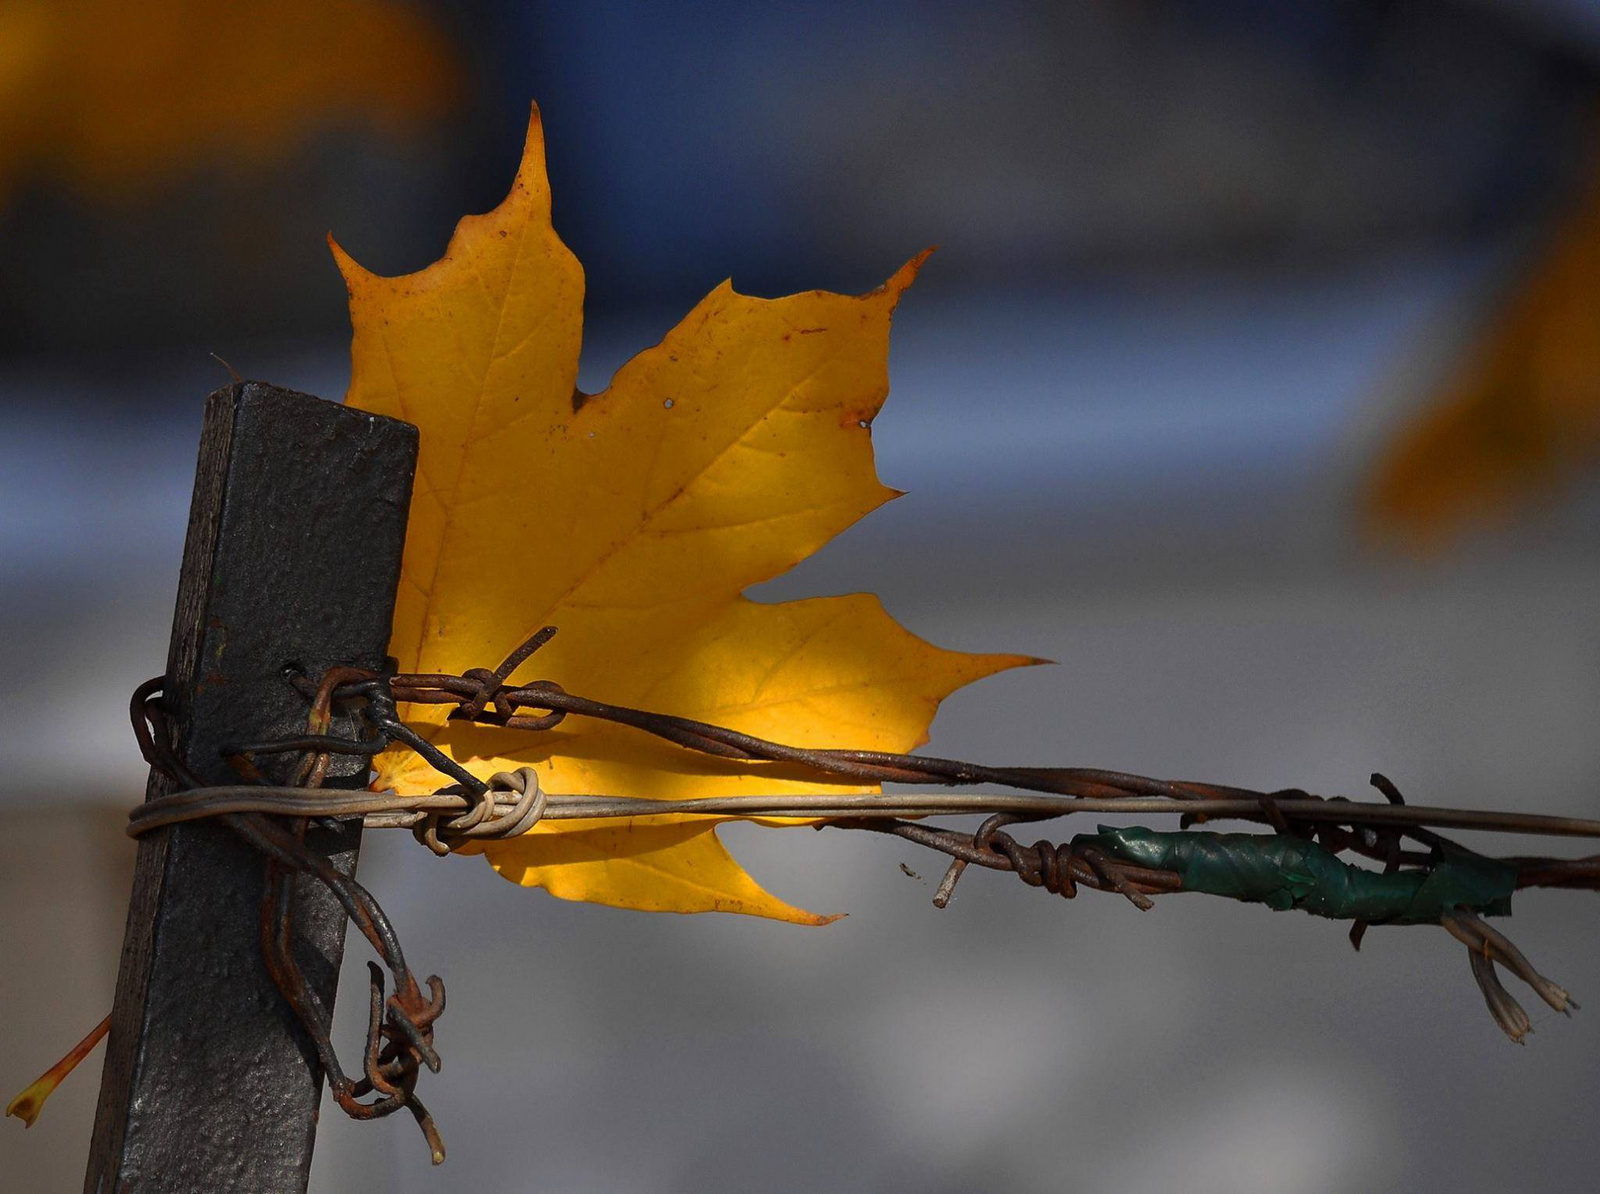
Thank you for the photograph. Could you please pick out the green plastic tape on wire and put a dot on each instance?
(1285, 872)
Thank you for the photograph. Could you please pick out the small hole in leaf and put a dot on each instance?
(863, 424)
(667, 404)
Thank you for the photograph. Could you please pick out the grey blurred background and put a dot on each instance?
(1201, 260)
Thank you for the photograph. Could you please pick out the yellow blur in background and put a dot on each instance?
(1516, 418)
(117, 97)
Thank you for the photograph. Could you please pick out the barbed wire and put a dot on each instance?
(399, 1039)
(508, 804)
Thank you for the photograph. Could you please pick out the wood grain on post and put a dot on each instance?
(292, 557)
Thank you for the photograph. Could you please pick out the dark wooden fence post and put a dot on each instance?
(292, 556)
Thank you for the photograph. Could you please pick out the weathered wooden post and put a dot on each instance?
(292, 557)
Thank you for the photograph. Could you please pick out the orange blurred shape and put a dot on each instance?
(1519, 414)
(27, 1105)
(112, 96)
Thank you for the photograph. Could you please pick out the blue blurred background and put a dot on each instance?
(1202, 260)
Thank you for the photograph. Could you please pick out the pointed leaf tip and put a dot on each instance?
(900, 281)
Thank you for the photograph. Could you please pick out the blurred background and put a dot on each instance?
(1257, 381)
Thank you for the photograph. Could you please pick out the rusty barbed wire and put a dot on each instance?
(1377, 832)
(400, 1027)
(399, 1039)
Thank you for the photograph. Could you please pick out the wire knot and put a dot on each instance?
(443, 836)
(1056, 867)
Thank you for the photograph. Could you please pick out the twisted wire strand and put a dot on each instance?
(513, 810)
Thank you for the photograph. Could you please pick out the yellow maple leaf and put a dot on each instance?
(1519, 413)
(110, 95)
(634, 520)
